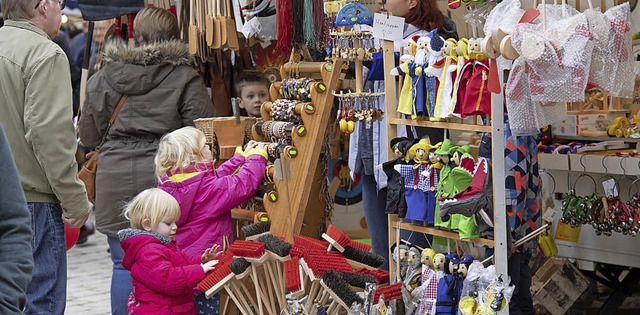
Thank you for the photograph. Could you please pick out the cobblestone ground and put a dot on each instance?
(89, 277)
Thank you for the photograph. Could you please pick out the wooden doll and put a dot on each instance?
(477, 99)
(432, 73)
(438, 265)
(417, 182)
(448, 67)
(429, 283)
(420, 83)
(399, 256)
(460, 83)
(412, 279)
(443, 155)
(396, 202)
(447, 298)
(406, 69)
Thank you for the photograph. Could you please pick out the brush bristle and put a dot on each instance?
(391, 292)
(239, 265)
(319, 261)
(292, 275)
(367, 258)
(341, 288)
(337, 235)
(247, 249)
(256, 228)
(381, 275)
(357, 280)
(309, 243)
(362, 246)
(275, 245)
(296, 252)
(216, 275)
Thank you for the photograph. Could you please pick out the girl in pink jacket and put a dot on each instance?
(163, 276)
(206, 196)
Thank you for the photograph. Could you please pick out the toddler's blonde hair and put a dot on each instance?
(179, 149)
(153, 204)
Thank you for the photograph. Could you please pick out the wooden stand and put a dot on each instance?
(299, 186)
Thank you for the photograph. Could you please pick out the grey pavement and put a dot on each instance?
(89, 277)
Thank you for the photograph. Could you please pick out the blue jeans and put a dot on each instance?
(47, 291)
(373, 204)
(121, 285)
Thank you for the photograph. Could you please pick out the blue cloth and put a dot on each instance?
(47, 292)
(521, 302)
(121, 284)
(208, 306)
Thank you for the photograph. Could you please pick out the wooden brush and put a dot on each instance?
(336, 238)
(390, 292)
(343, 295)
(215, 279)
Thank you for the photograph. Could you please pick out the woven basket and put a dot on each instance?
(230, 134)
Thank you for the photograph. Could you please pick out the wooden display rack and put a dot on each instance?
(393, 119)
(299, 186)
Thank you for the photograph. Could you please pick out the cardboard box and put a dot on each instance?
(565, 130)
(557, 285)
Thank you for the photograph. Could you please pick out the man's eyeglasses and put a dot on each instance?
(62, 3)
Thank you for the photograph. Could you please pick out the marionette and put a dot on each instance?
(438, 265)
(477, 99)
(447, 300)
(446, 68)
(399, 256)
(443, 155)
(429, 283)
(413, 277)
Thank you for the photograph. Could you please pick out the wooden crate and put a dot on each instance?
(557, 285)
(230, 134)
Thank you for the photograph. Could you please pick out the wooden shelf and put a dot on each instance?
(596, 139)
(598, 111)
(442, 125)
(444, 233)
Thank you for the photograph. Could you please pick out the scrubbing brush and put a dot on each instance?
(381, 275)
(336, 238)
(343, 295)
(254, 253)
(215, 279)
(359, 258)
(253, 231)
(357, 280)
(279, 251)
(390, 292)
(236, 288)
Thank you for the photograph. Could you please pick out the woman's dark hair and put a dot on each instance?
(426, 16)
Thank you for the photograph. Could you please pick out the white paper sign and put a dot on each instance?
(388, 27)
(610, 189)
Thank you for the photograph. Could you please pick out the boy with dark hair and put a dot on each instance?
(253, 90)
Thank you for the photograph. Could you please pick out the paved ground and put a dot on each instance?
(89, 277)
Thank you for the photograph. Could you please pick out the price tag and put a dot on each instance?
(388, 27)
(610, 189)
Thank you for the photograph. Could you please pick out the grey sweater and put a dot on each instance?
(16, 260)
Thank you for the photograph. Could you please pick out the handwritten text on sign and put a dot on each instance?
(388, 27)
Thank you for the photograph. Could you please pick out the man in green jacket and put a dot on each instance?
(36, 111)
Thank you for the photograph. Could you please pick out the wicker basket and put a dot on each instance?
(229, 133)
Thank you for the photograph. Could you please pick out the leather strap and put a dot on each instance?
(118, 107)
(113, 119)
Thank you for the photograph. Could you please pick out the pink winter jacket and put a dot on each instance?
(163, 276)
(206, 198)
